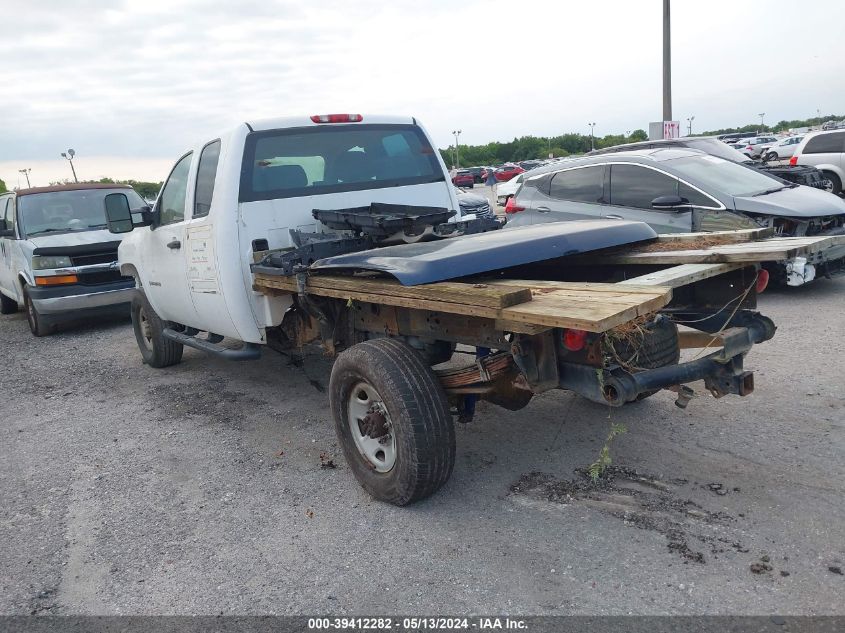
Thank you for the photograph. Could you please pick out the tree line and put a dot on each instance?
(780, 126)
(528, 147)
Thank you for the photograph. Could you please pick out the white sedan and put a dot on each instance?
(505, 190)
(784, 148)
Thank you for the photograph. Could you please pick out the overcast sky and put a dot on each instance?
(131, 84)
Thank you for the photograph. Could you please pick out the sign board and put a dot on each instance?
(671, 129)
(664, 129)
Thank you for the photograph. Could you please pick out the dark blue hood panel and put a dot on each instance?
(427, 262)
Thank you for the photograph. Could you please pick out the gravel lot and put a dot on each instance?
(213, 488)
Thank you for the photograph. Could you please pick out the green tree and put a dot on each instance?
(3, 187)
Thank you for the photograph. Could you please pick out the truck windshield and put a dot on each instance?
(67, 211)
(335, 158)
(714, 174)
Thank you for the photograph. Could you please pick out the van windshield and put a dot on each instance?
(712, 173)
(331, 159)
(68, 211)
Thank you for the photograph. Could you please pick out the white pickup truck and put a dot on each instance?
(345, 229)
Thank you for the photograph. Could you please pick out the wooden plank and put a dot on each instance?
(557, 310)
(724, 237)
(681, 275)
(763, 251)
(479, 294)
(592, 288)
(399, 301)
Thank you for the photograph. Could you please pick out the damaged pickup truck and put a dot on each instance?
(342, 230)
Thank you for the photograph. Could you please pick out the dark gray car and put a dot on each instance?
(680, 190)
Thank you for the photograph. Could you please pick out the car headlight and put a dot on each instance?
(47, 262)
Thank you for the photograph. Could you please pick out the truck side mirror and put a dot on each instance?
(670, 203)
(4, 231)
(118, 213)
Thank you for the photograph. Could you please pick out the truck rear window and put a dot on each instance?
(335, 158)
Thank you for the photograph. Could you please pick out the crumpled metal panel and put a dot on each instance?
(427, 262)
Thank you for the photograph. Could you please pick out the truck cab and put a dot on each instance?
(244, 190)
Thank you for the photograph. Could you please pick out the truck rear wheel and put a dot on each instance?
(156, 350)
(393, 422)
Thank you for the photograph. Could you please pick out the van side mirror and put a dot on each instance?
(670, 203)
(5, 232)
(119, 216)
(118, 213)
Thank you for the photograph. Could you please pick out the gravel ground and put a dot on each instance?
(212, 488)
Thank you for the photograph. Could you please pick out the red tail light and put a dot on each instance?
(336, 118)
(762, 280)
(512, 206)
(574, 340)
(793, 161)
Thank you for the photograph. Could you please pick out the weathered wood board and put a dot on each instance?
(776, 249)
(525, 306)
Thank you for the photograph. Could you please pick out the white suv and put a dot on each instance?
(824, 151)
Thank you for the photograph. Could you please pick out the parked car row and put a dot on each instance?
(675, 189)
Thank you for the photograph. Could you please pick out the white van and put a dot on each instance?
(57, 258)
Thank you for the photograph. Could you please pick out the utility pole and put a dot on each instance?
(69, 156)
(761, 115)
(592, 141)
(457, 135)
(689, 124)
(25, 172)
(667, 64)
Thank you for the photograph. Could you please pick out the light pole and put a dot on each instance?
(25, 172)
(69, 156)
(761, 115)
(457, 135)
(667, 64)
(592, 141)
(689, 124)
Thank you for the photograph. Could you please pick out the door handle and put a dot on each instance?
(614, 216)
(174, 244)
(543, 209)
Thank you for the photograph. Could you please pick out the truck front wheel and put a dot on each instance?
(393, 422)
(156, 350)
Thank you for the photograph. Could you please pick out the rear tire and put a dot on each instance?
(37, 324)
(384, 383)
(658, 347)
(156, 351)
(7, 305)
(835, 182)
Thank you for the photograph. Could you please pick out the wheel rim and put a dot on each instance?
(145, 329)
(30, 314)
(368, 416)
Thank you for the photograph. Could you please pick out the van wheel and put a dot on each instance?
(37, 324)
(156, 350)
(7, 306)
(392, 419)
(835, 183)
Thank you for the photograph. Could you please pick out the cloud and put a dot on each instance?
(144, 80)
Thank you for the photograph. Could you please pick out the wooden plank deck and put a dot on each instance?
(523, 306)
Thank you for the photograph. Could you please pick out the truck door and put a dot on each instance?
(633, 187)
(165, 256)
